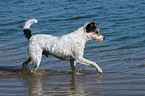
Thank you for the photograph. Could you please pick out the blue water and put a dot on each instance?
(121, 55)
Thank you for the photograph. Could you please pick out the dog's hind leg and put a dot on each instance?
(36, 61)
(73, 65)
(36, 65)
(25, 64)
(87, 62)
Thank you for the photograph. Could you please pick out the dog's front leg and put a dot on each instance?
(73, 65)
(87, 62)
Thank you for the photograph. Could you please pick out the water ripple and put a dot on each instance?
(120, 55)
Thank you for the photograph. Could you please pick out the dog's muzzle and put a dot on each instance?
(100, 38)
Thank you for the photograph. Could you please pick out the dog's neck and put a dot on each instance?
(80, 35)
(82, 31)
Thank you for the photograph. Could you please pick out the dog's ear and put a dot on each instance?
(94, 21)
(91, 26)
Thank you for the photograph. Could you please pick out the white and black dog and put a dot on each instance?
(67, 47)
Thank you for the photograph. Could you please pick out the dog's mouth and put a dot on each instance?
(99, 40)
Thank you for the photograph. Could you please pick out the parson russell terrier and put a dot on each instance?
(67, 47)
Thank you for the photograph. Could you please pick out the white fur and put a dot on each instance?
(29, 23)
(67, 47)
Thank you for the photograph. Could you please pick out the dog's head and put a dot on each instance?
(93, 32)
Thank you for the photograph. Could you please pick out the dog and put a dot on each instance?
(67, 47)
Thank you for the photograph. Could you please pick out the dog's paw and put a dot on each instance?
(24, 70)
(100, 70)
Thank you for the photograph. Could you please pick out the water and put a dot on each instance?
(121, 55)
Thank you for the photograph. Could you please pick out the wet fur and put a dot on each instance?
(67, 47)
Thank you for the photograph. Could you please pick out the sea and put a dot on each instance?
(121, 55)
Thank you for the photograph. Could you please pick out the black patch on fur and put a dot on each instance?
(91, 27)
(45, 53)
(27, 33)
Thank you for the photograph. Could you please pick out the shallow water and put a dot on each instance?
(121, 55)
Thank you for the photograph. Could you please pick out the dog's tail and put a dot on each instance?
(26, 30)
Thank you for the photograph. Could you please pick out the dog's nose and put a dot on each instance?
(103, 38)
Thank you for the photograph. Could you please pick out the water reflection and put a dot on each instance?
(63, 84)
(52, 83)
(35, 86)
